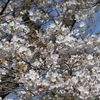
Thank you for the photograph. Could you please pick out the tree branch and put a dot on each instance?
(2, 11)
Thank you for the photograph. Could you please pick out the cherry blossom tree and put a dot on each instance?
(40, 53)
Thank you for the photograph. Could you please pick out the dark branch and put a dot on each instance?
(2, 11)
(29, 23)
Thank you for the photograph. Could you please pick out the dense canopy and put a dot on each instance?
(47, 48)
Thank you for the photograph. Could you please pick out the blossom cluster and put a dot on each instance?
(51, 60)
